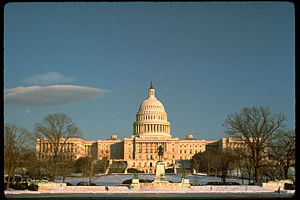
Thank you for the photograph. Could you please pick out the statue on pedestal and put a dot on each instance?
(160, 153)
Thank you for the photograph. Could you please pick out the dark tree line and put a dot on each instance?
(270, 147)
(215, 162)
(20, 152)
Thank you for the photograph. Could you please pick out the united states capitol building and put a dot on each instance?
(150, 131)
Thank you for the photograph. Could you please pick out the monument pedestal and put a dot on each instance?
(160, 181)
(185, 183)
(160, 175)
(135, 182)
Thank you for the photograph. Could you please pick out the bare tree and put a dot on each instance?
(16, 143)
(204, 161)
(256, 126)
(226, 160)
(218, 160)
(283, 150)
(243, 163)
(57, 129)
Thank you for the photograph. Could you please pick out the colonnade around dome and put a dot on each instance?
(150, 128)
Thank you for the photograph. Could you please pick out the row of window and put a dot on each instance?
(60, 158)
(151, 106)
(191, 151)
(144, 117)
(195, 145)
(139, 164)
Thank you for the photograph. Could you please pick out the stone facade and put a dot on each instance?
(150, 131)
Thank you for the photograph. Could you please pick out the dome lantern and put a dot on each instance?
(151, 91)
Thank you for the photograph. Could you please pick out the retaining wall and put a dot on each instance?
(63, 187)
(161, 186)
(50, 186)
(274, 185)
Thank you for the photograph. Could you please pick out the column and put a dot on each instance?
(142, 128)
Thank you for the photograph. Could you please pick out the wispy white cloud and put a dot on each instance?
(50, 95)
(48, 78)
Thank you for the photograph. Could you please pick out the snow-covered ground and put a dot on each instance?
(114, 180)
(118, 179)
(194, 189)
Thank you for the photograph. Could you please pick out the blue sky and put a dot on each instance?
(94, 62)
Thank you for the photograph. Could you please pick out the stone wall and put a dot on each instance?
(161, 186)
(50, 186)
(274, 185)
(63, 187)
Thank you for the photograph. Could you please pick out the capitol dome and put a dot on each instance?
(151, 118)
(151, 104)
